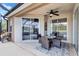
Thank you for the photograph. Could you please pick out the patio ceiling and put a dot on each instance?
(61, 7)
(43, 8)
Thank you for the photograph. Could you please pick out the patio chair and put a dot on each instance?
(57, 41)
(39, 37)
(45, 42)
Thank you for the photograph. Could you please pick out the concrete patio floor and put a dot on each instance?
(35, 47)
(12, 49)
(26, 48)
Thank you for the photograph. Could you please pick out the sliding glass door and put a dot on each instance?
(26, 28)
(30, 28)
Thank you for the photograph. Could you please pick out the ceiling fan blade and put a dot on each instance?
(55, 11)
(56, 14)
(52, 12)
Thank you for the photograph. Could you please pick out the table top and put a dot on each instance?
(51, 37)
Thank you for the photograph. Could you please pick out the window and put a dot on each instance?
(60, 25)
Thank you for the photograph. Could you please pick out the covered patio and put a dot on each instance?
(37, 25)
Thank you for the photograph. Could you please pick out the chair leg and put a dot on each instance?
(60, 44)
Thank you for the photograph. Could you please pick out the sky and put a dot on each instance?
(8, 6)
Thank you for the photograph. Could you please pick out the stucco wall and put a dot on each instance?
(17, 29)
(16, 23)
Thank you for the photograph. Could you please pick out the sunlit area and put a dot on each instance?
(4, 9)
(4, 26)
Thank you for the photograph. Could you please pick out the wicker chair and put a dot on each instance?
(45, 42)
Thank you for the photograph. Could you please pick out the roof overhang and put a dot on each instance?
(17, 9)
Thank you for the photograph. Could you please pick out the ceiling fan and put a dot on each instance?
(52, 12)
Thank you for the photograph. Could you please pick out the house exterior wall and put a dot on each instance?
(76, 26)
(17, 29)
(16, 23)
(69, 17)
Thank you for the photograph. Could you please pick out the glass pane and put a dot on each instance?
(6, 7)
(34, 28)
(30, 28)
(26, 29)
(60, 25)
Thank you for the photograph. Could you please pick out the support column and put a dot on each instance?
(17, 29)
(45, 24)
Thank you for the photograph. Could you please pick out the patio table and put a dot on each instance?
(56, 41)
